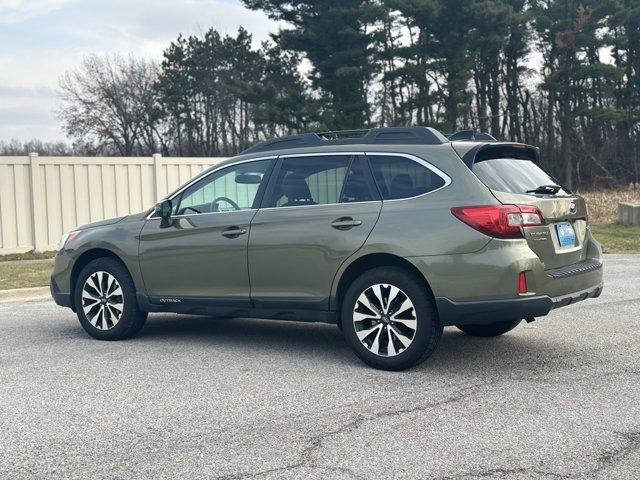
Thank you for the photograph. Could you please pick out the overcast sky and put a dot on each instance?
(41, 39)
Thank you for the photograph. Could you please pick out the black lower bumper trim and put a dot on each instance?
(62, 299)
(490, 311)
(564, 300)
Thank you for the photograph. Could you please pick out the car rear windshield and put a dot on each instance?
(513, 175)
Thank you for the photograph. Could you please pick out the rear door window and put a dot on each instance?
(401, 177)
(356, 187)
(313, 180)
(320, 180)
(513, 175)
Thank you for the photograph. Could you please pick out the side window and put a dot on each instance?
(230, 189)
(356, 188)
(314, 180)
(401, 177)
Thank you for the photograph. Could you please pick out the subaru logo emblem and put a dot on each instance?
(573, 208)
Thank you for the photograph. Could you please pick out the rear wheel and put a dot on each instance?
(489, 330)
(105, 300)
(389, 319)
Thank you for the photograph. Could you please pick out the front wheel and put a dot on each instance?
(389, 319)
(489, 330)
(105, 300)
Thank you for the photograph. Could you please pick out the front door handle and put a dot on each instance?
(345, 223)
(233, 232)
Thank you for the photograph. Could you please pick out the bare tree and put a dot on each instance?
(110, 101)
(16, 147)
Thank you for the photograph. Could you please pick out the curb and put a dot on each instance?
(24, 294)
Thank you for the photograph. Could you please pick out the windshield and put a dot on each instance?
(513, 175)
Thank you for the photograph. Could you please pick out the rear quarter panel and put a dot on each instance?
(424, 225)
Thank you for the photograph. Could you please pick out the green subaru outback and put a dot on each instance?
(392, 235)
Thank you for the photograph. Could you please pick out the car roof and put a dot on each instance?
(374, 136)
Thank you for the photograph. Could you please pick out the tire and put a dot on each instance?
(390, 329)
(489, 330)
(100, 319)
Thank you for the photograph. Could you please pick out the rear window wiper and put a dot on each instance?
(546, 189)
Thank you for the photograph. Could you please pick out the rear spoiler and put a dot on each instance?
(473, 152)
(470, 135)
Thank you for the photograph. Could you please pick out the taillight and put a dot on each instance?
(500, 221)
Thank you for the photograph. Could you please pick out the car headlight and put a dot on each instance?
(67, 237)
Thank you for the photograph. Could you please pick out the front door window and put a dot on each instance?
(230, 189)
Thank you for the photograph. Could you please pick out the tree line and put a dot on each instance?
(563, 75)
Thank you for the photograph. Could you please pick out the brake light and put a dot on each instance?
(500, 221)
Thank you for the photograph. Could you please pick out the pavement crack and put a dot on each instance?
(576, 378)
(608, 458)
(502, 472)
(316, 442)
(630, 443)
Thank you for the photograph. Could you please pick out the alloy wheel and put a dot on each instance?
(102, 300)
(385, 320)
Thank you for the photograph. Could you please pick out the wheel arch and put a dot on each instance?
(83, 260)
(367, 262)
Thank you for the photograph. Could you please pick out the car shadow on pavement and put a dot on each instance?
(520, 351)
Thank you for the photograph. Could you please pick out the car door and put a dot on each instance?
(201, 257)
(318, 210)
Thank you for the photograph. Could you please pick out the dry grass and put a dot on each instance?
(603, 204)
(32, 255)
(603, 217)
(616, 238)
(25, 273)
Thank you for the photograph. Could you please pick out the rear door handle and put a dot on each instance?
(345, 223)
(234, 232)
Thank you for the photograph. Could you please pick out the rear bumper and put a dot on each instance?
(482, 287)
(490, 311)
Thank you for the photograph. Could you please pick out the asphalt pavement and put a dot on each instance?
(196, 398)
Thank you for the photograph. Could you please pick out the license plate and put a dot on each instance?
(566, 235)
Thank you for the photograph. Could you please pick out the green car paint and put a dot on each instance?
(292, 262)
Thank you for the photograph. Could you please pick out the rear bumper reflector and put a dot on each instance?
(522, 283)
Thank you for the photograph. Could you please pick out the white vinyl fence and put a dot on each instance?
(42, 197)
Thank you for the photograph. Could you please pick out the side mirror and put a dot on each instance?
(163, 210)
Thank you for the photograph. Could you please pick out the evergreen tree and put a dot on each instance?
(561, 74)
(337, 38)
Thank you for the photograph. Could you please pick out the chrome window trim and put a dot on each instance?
(424, 163)
(197, 179)
(319, 154)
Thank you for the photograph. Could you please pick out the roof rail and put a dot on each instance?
(470, 135)
(335, 134)
(388, 135)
